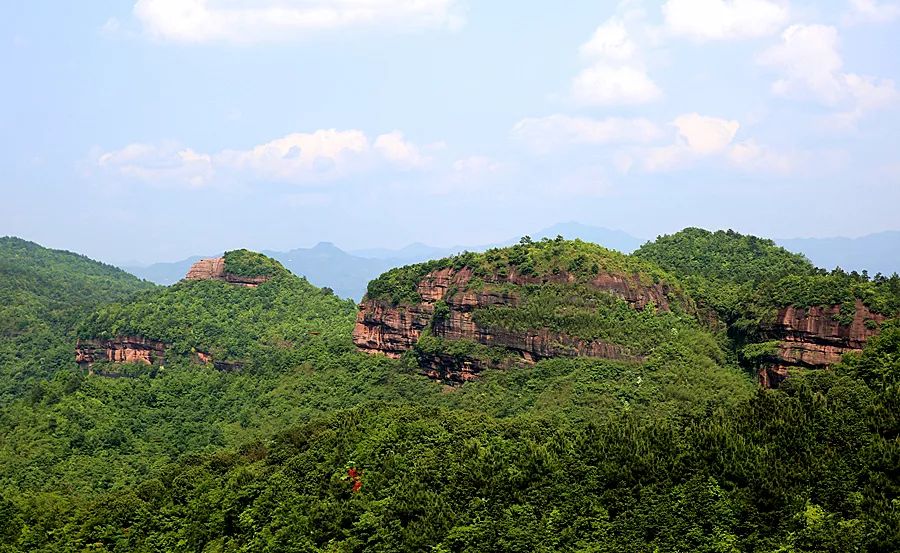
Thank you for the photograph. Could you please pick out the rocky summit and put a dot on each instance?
(477, 299)
(215, 269)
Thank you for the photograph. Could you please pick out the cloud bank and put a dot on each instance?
(199, 21)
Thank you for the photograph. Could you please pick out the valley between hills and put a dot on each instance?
(708, 391)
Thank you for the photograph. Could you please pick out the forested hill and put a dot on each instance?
(266, 327)
(744, 278)
(44, 293)
(59, 278)
(261, 427)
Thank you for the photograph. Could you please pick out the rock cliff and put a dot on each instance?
(447, 309)
(814, 338)
(136, 349)
(123, 349)
(214, 269)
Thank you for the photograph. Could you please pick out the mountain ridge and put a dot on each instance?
(348, 271)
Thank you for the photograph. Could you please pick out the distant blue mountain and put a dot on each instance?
(876, 253)
(348, 274)
(165, 273)
(327, 265)
(323, 265)
(416, 251)
(608, 238)
(612, 239)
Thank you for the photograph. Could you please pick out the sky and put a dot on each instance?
(152, 130)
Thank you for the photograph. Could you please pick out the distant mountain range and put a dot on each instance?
(612, 239)
(323, 265)
(876, 253)
(348, 273)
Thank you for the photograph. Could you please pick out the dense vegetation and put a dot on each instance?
(313, 446)
(810, 467)
(744, 280)
(43, 293)
(272, 325)
(585, 312)
(542, 259)
(245, 263)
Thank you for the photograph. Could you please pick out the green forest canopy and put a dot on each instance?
(678, 453)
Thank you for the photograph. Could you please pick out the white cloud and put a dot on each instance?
(604, 85)
(612, 41)
(396, 149)
(298, 157)
(321, 156)
(543, 134)
(703, 135)
(811, 67)
(724, 19)
(702, 138)
(809, 61)
(616, 75)
(872, 11)
(166, 164)
(274, 20)
(697, 137)
(750, 156)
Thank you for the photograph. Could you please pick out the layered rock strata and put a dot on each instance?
(814, 338)
(122, 349)
(135, 349)
(387, 329)
(214, 269)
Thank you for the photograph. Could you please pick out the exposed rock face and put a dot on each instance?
(813, 338)
(135, 349)
(390, 330)
(123, 349)
(207, 269)
(214, 269)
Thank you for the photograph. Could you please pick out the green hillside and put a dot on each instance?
(552, 283)
(43, 295)
(540, 259)
(265, 327)
(808, 468)
(311, 445)
(745, 279)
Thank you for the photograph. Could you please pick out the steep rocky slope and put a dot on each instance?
(816, 337)
(782, 312)
(533, 301)
(122, 349)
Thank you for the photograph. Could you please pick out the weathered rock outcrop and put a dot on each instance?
(207, 269)
(813, 338)
(387, 329)
(122, 349)
(136, 349)
(214, 269)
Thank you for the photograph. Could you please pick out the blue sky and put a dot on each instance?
(157, 129)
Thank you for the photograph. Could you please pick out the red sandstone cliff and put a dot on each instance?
(813, 338)
(122, 349)
(214, 269)
(383, 328)
(135, 349)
